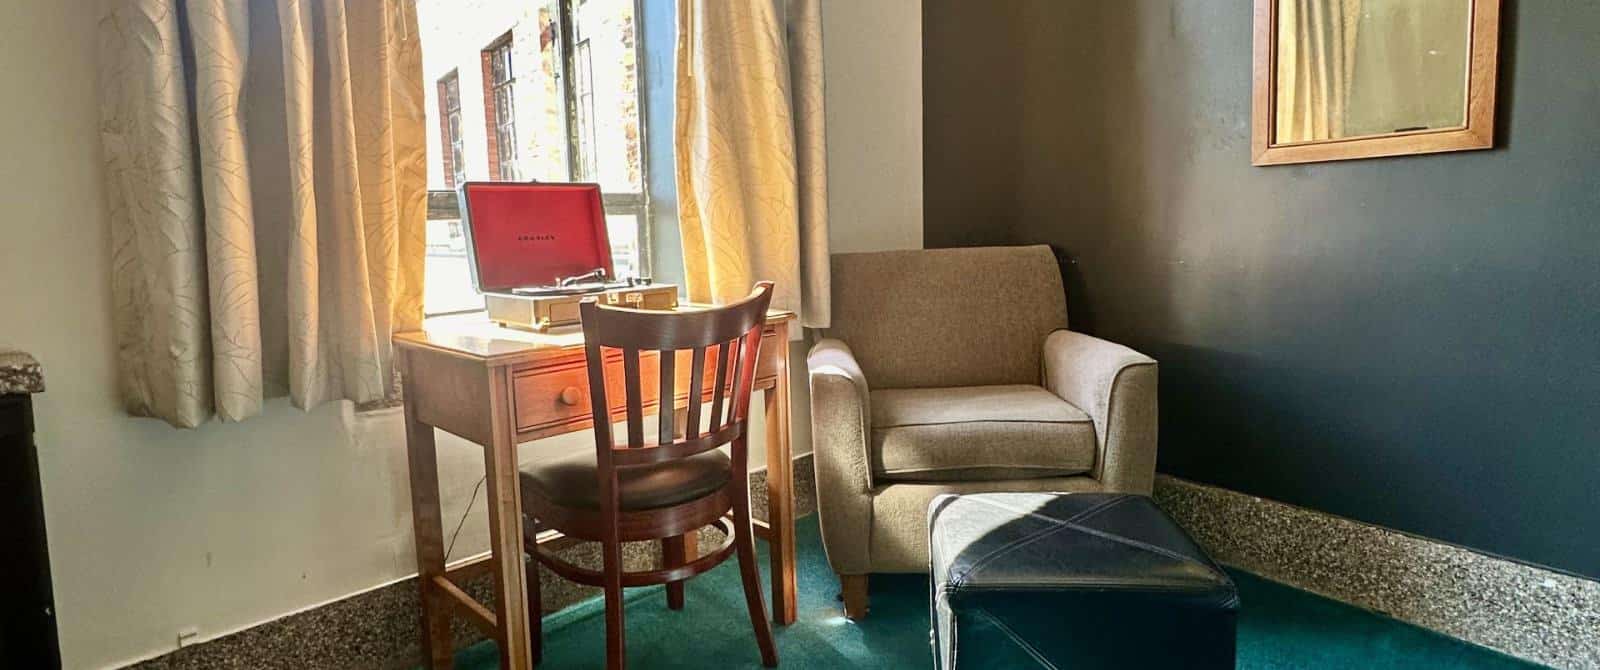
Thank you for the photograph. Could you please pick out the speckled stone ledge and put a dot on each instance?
(19, 373)
(379, 628)
(1533, 613)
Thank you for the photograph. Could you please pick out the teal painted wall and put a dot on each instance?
(1412, 342)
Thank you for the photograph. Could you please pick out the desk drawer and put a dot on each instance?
(560, 394)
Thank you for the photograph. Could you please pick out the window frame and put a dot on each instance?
(452, 141)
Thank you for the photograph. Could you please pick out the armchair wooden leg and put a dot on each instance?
(853, 590)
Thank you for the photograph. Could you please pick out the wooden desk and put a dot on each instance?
(500, 387)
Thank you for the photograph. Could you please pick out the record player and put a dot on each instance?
(537, 249)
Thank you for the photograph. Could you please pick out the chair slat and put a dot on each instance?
(696, 392)
(735, 355)
(666, 403)
(630, 374)
(721, 383)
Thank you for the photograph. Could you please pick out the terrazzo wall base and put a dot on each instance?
(1533, 613)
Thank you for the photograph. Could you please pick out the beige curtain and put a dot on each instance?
(751, 164)
(1316, 66)
(267, 183)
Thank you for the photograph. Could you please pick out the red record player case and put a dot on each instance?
(531, 234)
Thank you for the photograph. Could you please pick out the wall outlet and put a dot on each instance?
(188, 636)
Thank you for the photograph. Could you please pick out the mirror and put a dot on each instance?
(1338, 79)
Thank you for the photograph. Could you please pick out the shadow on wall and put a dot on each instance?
(1071, 98)
(972, 122)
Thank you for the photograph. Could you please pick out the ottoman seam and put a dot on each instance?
(1017, 639)
(1035, 536)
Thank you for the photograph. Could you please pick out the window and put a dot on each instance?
(454, 157)
(560, 101)
(502, 114)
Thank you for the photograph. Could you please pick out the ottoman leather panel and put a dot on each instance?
(1093, 580)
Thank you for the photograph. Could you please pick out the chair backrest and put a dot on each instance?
(718, 345)
(948, 317)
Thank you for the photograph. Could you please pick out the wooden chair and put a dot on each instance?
(667, 490)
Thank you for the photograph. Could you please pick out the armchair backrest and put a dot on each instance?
(947, 317)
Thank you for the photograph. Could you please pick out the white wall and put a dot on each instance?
(154, 530)
(872, 60)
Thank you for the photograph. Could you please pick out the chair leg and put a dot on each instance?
(744, 543)
(677, 551)
(616, 651)
(853, 590)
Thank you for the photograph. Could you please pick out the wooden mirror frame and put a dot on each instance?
(1478, 133)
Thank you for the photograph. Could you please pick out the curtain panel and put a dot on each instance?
(1316, 68)
(749, 143)
(266, 171)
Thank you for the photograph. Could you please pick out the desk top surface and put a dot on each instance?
(474, 336)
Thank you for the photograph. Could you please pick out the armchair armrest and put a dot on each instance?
(841, 430)
(1116, 386)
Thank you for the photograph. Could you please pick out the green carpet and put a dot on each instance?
(1279, 627)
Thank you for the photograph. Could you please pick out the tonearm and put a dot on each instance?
(595, 275)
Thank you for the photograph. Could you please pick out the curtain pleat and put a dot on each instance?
(751, 165)
(158, 244)
(339, 200)
(220, 33)
(1316, 67)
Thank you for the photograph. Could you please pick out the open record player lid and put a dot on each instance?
(529, 234)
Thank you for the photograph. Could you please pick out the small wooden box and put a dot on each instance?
(541, 313)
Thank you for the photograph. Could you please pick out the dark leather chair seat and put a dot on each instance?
(1082, 580)
(570, 481)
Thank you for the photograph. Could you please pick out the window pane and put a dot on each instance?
(448, 283)
(623, 229)
(607, 59)
(545, 157)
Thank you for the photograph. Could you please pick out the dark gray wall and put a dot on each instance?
(1413, 342)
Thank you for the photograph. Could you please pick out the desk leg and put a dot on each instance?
(517, 649)
(423, 463)
(780, 490)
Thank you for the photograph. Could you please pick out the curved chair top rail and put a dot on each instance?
(627, 328)
(727, 338)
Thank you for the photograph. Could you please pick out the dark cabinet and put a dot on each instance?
(27, 615)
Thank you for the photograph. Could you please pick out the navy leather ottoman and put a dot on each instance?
(1080, 580)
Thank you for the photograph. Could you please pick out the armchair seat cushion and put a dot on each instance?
(974, 433)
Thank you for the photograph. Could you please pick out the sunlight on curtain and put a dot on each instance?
(751, 164)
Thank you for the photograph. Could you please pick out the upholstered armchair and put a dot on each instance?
(952, 371)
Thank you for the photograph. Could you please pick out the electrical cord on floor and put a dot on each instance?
(470, 502)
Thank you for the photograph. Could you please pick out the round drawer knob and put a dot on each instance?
(571, 395)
